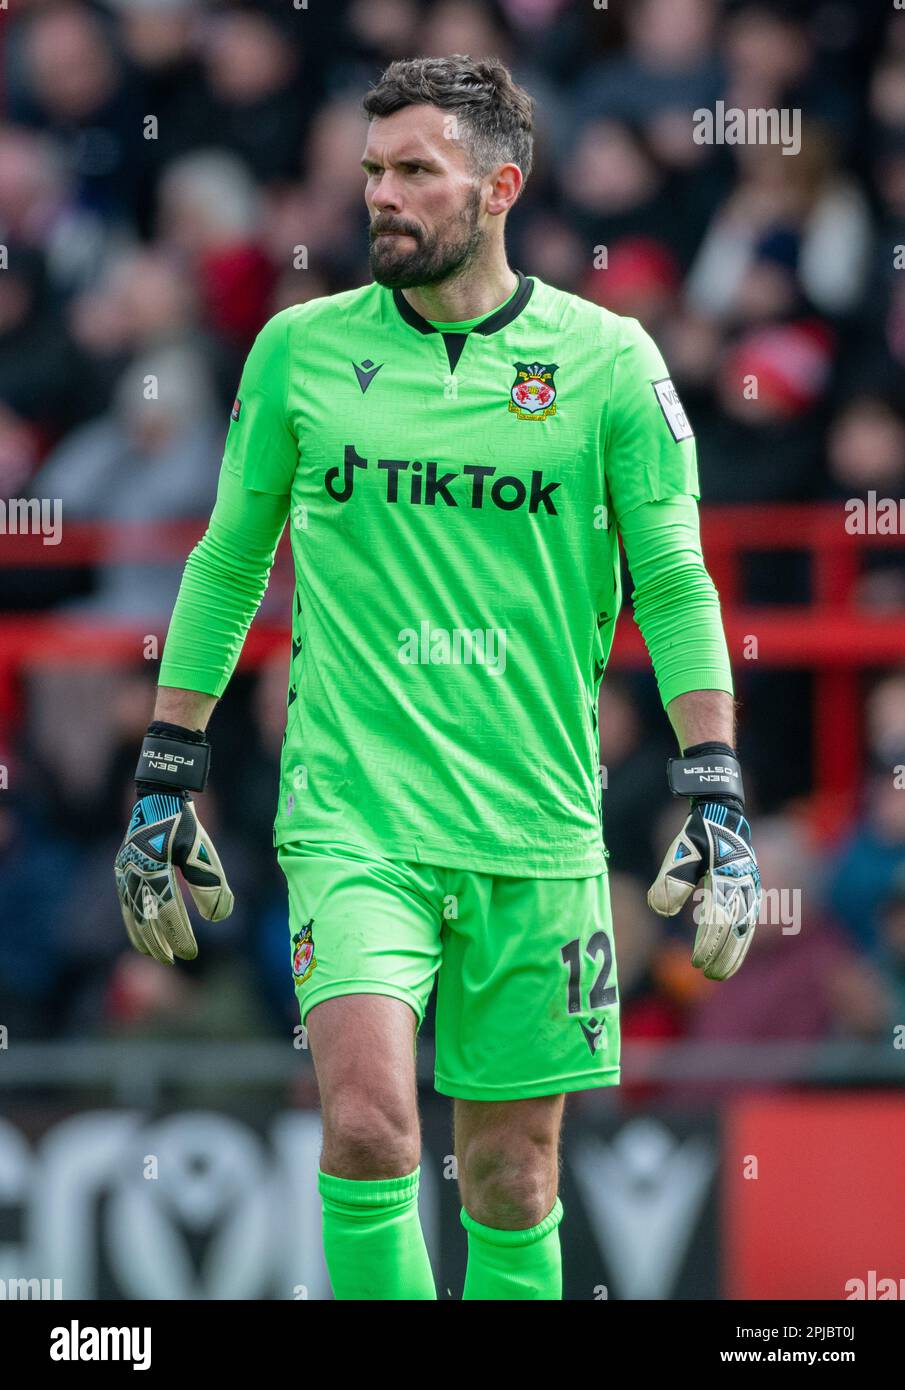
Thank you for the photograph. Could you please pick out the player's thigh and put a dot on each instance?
(363, 1048)
(527, 1002)
(365, 948)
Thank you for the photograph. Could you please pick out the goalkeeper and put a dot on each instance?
(457, 448)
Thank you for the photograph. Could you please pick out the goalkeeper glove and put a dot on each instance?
(165, 834)
(713, 849)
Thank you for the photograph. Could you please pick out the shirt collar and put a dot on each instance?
(498, 319)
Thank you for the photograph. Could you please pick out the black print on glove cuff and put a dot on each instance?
(173, 762)
(714, 774)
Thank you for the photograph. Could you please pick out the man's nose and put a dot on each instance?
(386, 195)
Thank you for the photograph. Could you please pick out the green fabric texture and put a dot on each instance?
(373, 1243)
(514, 1265)
(222, 586)
(677, 607)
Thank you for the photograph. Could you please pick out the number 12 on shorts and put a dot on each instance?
(601, 994)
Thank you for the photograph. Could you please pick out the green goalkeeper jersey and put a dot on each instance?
(452, 492)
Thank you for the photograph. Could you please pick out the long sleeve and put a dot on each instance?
(222, 587)
(226, 574)
(677, 607)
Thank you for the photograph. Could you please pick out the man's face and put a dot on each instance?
(423, 198)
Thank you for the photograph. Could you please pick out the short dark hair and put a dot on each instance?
(497, 114)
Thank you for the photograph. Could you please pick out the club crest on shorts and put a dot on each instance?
(532, 396)
(303, 958)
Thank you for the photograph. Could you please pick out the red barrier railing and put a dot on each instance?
(831, 635)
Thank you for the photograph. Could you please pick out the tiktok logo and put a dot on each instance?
(351, 461)
(420, 485)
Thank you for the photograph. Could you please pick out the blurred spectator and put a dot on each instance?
(153, 457)
(46, 383)
(802, 196)
(641, 280)
(146, 301)
(866, 863)
(866, 447)
(759, 443)
(35, 911)
(667, 70)
(866, 452)
(774, 57)
(609, 179)
(891, 945)
(254, 102)
(550, 244)
(380, 33)
(20, 450)
(67, 78)
(39, 209)
(634, 764)
(209, 216)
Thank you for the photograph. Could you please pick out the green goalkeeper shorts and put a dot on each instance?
(527, 1000)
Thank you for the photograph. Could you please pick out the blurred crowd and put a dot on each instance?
(173, 172)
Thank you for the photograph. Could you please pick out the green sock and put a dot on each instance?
(514, 1264)
(373, 1243)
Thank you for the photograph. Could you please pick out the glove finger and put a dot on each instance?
(138, 893)
(726, 920)
(132, 929)
(153, 911)
(678, 875)
(168, 925)
(201, 868)
(742, 933)
(731, 954)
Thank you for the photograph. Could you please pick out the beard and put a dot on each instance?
(436, 256)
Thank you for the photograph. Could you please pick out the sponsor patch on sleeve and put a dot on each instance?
(673, 409)
(237, 406)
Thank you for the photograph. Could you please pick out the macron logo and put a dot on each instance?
(75, 1343)
(366, 373)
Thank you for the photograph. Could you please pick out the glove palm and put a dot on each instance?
(713, 849)
(165, 834)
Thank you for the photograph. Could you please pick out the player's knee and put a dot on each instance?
(508, 1182)
(366, 1138)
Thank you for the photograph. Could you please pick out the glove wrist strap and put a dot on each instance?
(708, 771)
(174, 757)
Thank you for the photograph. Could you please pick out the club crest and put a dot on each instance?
(532, 395)
(303, 958)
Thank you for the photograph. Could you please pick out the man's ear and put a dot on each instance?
(505, 188)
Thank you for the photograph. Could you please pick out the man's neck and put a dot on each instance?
(464, 297)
